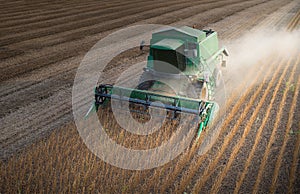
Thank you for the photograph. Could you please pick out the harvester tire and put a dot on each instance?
(145, 85)
(145, 82)
(217, 77)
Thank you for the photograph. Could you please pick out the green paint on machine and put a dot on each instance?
(193, 53)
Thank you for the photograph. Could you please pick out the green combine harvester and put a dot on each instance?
(176, 54)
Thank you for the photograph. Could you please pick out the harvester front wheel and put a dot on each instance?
(145, 85)
(217, 77)
(145, 82)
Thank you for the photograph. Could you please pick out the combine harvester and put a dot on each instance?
(194, 55)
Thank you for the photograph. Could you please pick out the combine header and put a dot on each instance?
(192, 54)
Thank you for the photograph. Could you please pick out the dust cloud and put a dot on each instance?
(263, 46)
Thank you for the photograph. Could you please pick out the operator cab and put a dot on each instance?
(176, 50)
(169, 52)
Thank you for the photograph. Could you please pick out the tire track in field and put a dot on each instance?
(199, 17)
(273, 14)
(275, 20)
(58, 112)
(272, 138)
(56, 73)
(35, 4)
(72, 34)
(56, 79)
(24, 83)
(33, 121)
(236, 34)
(236, 149)
(14, 70)
(17, 12)
(10, 6)
(181, 14)
(62, 12)
(28, 35)
(181, 185)
(286, 136)
(81, 17)
(6, 4)
(208, 171)
(20, 50)
(36, 91)
(66, 67)
(19, 19)
(28, 7)
(65, 56)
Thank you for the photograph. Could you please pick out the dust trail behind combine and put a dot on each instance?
(258, 46)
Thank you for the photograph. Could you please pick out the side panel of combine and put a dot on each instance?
(208, 47)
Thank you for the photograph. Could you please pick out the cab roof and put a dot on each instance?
(168, 44)
(183, 33)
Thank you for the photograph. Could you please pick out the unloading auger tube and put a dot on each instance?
(205, 110)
